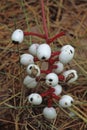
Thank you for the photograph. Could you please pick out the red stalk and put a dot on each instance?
(34, 34)
(53, 67)
(48, 92)
(49, 70)
(61, 77)
(44, 21)
(50, 102)
(51, 61)
(46, 71)
(56, 53)
(36, 59)
(55, 37)
(55, 96)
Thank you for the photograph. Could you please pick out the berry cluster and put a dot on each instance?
(52, 77)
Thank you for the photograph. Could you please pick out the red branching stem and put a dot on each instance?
(50, 102)
(36, 59)
(48, 92)
(53, 67)
(52, 61)
(34, 34)
(55, 37)
(61, 77)
(44, 20)
(55, 96)
(46, 71)
(40, 79)
(49, 70)
(56, 53)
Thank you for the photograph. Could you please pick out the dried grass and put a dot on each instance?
(15, 112)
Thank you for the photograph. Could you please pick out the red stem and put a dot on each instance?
(48, 92)
(49, 70)
(55, 96)
(46, 71)
(56, 53)
(50, 102)
(44, 36)
(36, 59)
(53, 67)
(44, 20)
(34, 34)
(61, 77)
(51, 61)
(55, 37)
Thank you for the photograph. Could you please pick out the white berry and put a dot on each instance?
(52, 79)
(43, 52)
(67, 47)
(66, 101)
(70, 76)
(35, 99)
(33, 70)
(59, 68)
(30, 82)
(26, 59)
(49, 113)
(58, 89)
(66, 55)
(33, 49)
(17, 36)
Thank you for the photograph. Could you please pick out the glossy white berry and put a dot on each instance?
(30, 82)
(33, 49)
(26, 59)
(33, 70)
(49, 113)
(59, 68)
(70, 76)
(17, 36)
(58, 89)
(52, 79)
(43, 52)
(35, 99)
(67, 54)
(66, 101)
(67, 47)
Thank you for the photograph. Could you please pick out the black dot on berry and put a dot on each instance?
(71, 102)
(43, 58)
(31, 99)
(30, 67)
(50, 80)
(15, 42)
(71, 51)
(65, 103)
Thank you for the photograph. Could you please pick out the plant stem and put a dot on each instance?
(55, 37)
(34, 34)
(44, 21)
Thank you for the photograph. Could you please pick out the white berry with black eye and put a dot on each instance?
(66, 55)
(43, 52)
(67, 47)
(17, 36)
(33, 70)
(70, 76)
(60, 67)
(30, 82)
(33, 49)
(52, 79)
(35, 99)
(49, 113)
(26, 59)
(66, 101)
(58, 89)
